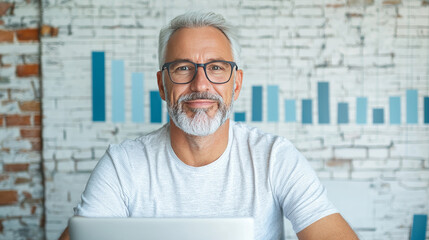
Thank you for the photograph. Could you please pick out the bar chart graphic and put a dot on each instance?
(265, 103)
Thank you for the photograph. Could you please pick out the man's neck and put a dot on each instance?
(199, 151)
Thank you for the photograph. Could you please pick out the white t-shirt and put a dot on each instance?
(259, 175)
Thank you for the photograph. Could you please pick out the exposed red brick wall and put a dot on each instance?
(6, 36)
(18, 120)
(8, 197)
(16, 167)
(27, 70)
(29, 34)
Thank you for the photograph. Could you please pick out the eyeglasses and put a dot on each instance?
(184, 71)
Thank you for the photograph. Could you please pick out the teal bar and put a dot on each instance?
(290, 110)
(137, 98)
(257, 103)
(412, 106)
(323, 102)
(155, 107)
(361, 110)
(378, 116)
(395, 110)
(98, 87)
(118, 91)
(273, 103)
(343, 113)
(240, 116)
(418, 231)
(307, 116)
(426, 103)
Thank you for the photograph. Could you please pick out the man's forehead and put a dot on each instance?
(185, 40)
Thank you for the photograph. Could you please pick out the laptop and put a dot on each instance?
(82, 228)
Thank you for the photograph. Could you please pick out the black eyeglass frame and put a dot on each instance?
(203, 65)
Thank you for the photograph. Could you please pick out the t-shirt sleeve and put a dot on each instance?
(105, 194)
(297, 188)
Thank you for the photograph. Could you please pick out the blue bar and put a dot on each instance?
(412, 106)
(137, 97)
(343, 113)
(240, 116)
(273, 103)
(307, 117)
(98, 87)
(378, 115)
(418, 231)
(395, 110)
(155, 107)
(257, 103)
(426, 120)
(323, 102)
(290, 110)
(361, 110)
(118, 91)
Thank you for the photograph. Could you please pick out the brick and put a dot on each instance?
(392, 2)
(360, 2)
(27, 70)
(8, 197)
(4, 8)
(37, 120)
(16, 167)
(1, 120)
(18, 120)
(6, 36)
(30, 106)
(36, 144)
(21, 180)
(31, 133)
(3, 177)
(28, 34)
(47, 30)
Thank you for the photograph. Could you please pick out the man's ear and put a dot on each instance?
(238, 83)
(160, 85)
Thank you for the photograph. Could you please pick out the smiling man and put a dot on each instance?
(202, 164)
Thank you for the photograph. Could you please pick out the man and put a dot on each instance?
(202, 164)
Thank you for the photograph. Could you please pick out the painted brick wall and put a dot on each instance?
(378, 175)
(21, 181)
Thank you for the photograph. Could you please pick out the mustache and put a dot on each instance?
(200, 95)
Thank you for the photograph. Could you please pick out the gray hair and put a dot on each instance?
(195, 20)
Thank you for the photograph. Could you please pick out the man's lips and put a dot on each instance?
(200, 103)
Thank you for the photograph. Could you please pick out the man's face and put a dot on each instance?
(199, 45)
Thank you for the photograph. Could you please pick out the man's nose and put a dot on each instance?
(200, 82)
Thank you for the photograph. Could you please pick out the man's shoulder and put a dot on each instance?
(150, 139)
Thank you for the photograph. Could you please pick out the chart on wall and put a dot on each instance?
(295, 110)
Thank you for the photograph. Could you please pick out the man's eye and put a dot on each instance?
(216, 68)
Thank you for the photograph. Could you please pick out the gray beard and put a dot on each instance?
(201, 124)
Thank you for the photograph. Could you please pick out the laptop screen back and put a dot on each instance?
(82, 228)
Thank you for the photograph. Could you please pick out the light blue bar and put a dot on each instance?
(418, 231)
(395, 110)
(307, 116)
(118, 91)
(290, 110)
(137, 97)
(240, 116)
(412, 106)
(343, 113)
(323, 102)
(273, 103)
(361, 110)
(378, 116)
(257, 103)
(98, 87)
(155, 107)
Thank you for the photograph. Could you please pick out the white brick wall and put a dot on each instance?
(376, 51)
